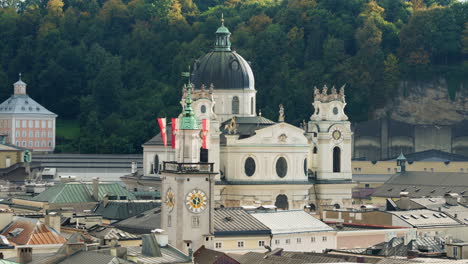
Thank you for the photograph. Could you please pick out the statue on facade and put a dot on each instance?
(231, 126)
(281, 113)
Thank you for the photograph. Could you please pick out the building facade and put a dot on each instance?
(260, 161)
(25, 122)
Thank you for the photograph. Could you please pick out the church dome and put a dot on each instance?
(222, 67)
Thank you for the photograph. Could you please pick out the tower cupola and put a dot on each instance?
(223, 42)
(19, 86)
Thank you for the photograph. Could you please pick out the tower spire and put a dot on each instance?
(19, 86)
(188, 115)
(223, 43)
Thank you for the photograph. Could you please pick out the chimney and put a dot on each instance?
(96, 188)
(53, 220)
(404, 202)
(451, 199)
(24, 255)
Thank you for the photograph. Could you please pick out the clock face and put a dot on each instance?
(336, 135)
(196, 201)
(170, 200)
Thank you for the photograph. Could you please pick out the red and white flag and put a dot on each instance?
(162, 126)
(205, 133)
(174, 131)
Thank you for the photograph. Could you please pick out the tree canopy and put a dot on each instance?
(114, 66)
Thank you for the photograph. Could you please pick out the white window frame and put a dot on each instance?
(299, 240)
(324, 239)
(261, 243)
(25, 124)
(195, 222)
(240, 244)
(18, 124)
(218, 244)
(277, 242)
(37, 125)
(288, 241)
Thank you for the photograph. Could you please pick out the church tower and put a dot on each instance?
(187, 187)
(330, 136)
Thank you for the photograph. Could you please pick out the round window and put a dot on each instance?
(305, 167)
(281, 167)
(203, 109)
(335, 110)
(235, 65)
(249, 166)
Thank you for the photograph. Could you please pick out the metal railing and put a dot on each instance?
(173, 166)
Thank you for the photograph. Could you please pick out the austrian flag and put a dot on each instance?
(174, 132)
(205, 133)
(162, 126)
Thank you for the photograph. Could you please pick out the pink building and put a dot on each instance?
(27, 123)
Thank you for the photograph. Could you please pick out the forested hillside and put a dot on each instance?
(114, 66)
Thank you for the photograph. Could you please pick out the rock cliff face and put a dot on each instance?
(428, 103)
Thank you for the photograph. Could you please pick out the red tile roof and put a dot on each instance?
(34, 232)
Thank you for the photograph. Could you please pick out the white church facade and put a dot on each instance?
(257, 161)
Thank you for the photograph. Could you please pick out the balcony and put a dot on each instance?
(199, 167)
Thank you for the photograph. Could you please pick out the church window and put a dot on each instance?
(305, 166)
(235, 105)
(336, 159)
(335, 110)
(195, 221)
(281, 167)
(251, 105)
(203, 109)
(156, 164)
(249, 166)
(282, 202)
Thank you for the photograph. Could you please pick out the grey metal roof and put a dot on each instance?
(397, 247)
(425, 218)
(24, 105)
(236, 221)
(246, 126)
(142, 223)
(124, 210)
(223, 69)
(91, 257)
(284, 258)
(169, 255)
(294, 221)
(108, 233)
(424, 184)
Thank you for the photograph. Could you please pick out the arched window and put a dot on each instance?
(156, 164)
(282, 202)
(235, 105)
(251, 105)
(203, 155)
(336, 159)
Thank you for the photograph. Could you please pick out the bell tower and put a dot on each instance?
(187, 187)
(330, 136)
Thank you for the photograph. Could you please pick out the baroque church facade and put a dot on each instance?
(255, 161)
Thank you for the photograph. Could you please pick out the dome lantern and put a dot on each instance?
(19, 86)
(223, 43)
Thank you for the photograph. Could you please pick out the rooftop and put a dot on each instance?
(28, 231)
(236, 221)
(297, 221)
(425, 218)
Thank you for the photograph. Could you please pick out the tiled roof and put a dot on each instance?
(204, 255)
(236, 221)
(124, 210)
(23, 105)
(108, 233)
(425, 218)
(295, 221)
(424, 184)
(142, 223)
(28, 231)
(77, 192)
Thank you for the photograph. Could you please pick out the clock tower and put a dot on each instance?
(187, 187)
(330, 136)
